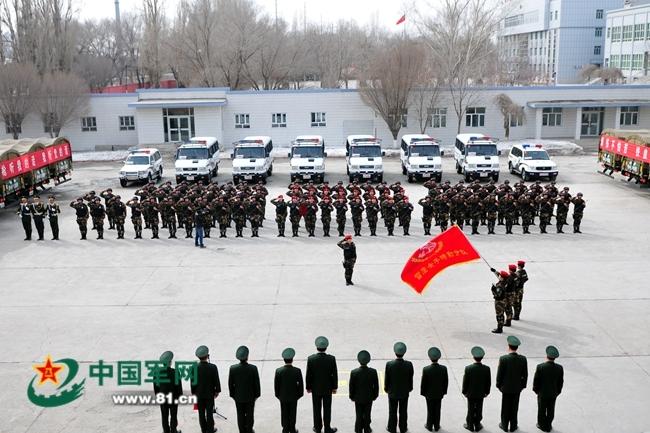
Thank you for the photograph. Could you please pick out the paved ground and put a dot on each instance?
(130, 300)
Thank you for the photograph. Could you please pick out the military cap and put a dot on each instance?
(363, 357)
(37, 196)
(552, 352)
(478, 352)
(110, 189)
(321, 343)
(513, 341)
(521, 263)
(504, 274)
(288, 353)
(202, 351)
(347, 237)
(50, 196)
(92, 192)
(166, 357)
(118, 197)
(80, 199)
(399, 348)
(135, 198)
(97, 199)
(507, 181)
(434, 353)
(242, 353)
(579, 194)
(512, 267)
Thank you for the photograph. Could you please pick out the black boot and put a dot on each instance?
(508, 322)
(498, 329)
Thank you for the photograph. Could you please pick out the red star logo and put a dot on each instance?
(48, 371)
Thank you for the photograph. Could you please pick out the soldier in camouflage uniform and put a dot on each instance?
(310, 216)
(168, 213)
(222, 212)
(491, 209)
(98, 214)
(136, 216)
(119, 215)
(475, 211)
(356, 209)
(188, 218)
(457, 210)
(294, 215)
(341, 209)
(527, 211)
(442, 208)
(511, 293)
(82, 212)
(389, 210)
(508, 212)
(545, 212)
(521, 278)
(499, 295)
(404, 210)
(239, 216)
(154, 218)
(89, 198)
(427, 213)
(108, 196)
(349, 257)
(326, 209)
(206, 214)
(562, 210)
(579, 205)
(280, 213)
(254, 213)
(372, 214)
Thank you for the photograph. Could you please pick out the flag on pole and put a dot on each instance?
(401, 20)
(448, 248)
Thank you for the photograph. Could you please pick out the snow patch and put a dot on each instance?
(116, 155)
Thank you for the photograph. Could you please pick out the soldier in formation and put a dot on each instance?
(363, 391)
(244, 388)
(289, 388)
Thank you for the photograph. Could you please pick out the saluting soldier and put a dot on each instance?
(491, 207)
(53, 211)
(349, 257)
(356, 209)
(136, 216)
(404, 209)
(326, 209)
(254, 213)
(38, 213)
(389, 213)
(206, 389)
(119, 215)
(499, 295)
(311, 208)
(476, 387)
(547, 384)
(434, 387)
(442, 209)
(427, 213)
(579, 205)
(341, 208)
(82, 213)
(244, 388)
(280, 213)
(289, 389)
(222, 212)
(398, 383)
(561, 212)
(108, 196)
(322, 380)
(239, 216)
(168, 385)
(294, 215)
(25, 213)
(98, 213)
(363, 390)
(521, 278)
(512, 376)
(545, 212)
(372, 214)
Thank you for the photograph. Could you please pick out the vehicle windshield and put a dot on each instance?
(192, 153)
(482, 149)
(536, 154)
(249, 152)
(366, 151)
(307, 152)
(137, 160)
(428, 150)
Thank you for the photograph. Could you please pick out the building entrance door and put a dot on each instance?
(179, 128)
(592, 120)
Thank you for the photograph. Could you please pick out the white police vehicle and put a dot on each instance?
(142, 165)
(307, 158)
(364, 158)
(476, 157)
(252, 159)
(421, 157)
(531, 161)
(197, 160)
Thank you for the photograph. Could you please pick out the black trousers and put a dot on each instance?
(509, 409)
(394, 406)
(324, 403)
(40, 227)
(288, 416)
(433, 412)
(27, 225)
(169, 417)
(54, 225)
(362, 421)
(245, 416)
(474, 412)
(545, 412)
(206, 417)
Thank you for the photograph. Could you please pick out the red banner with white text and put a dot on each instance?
(34, 160)
(624, 148)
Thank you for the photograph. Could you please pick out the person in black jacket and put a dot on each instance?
(206, 389)
(349, 257)
(244, 387)
(398, 383)
(434, 387)
(363, 390)
(25, 212)
(172, 388)
(547, 384)
(322, 380)
(476, 386)
(512, 375)
(289, 389)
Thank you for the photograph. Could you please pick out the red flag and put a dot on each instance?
(448, 248)
(401, 20)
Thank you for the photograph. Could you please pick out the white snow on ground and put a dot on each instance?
(117, 155)
(553, 147)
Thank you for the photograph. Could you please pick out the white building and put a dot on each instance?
(555, 38)
(157, 116)
(628, 41)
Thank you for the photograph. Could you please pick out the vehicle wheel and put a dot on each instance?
(467, 178)
(403, 169)
(264, 180)
(458, 169)
(381, 178)
(123, 183)
(351, 178)
(160, 173)
(410, 178)
(495, 177)
(524, 175)
(510, 169)
(149, 177)
(552, 178)
(439, 178)
(270, 172)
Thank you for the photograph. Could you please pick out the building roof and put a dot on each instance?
(581, 103)
(178, 103)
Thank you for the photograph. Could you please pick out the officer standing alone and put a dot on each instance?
(244, 388)
(512, 376)
(322, 380)
(363, 390)
(434, 387)
(398, 383)
(349, 257)
(547, 384)
(289, 388)
(206, 389)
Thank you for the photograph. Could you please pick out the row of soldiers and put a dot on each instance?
(321, 381)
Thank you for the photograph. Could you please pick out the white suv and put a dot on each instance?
(531, 162)
(141, 165)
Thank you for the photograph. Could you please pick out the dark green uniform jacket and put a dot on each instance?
(434, 381)
(322, 375)
(244, 382)
(476, 381)
(398, 380)
(288, 383)
(364, 385)
(548, 380)
(207, 384)
(512, 373)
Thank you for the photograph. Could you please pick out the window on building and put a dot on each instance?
(609, 32)
(475, 117)
(629, 116)
(48, 123)
(127, 123)
(639, 32)
(437, 118)
(11, 126)
(279, 120)
(556, 15)
(599, 14)
(88, 124)
(626, 61)
(607, 62)
(615, 61)
(318, 118)
(628, 32)
(597, 50)
(552, 116)
(242, 120)
(616, 34)
(516, 120)
(637, 62)
(647, 31)
(598, 32)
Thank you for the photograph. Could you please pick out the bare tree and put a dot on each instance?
(19, 83)
(63, 97)
(153, 18)
(387, 83)
(509, 109)
(426, 93)
(607, 75)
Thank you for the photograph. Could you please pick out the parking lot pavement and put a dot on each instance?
(131, 300)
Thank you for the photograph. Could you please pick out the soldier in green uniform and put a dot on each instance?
(561, 212)
(389, 212)
(108, 196)
(38, 213)
(511, 293)
(509, 211)
(206, 388)
(310, 216)
(372, 214)
(189, 218)
(153, 218)
(547, 384)
(98, 214)
(475, 211)
(521, 278)
(288, 388)
(321, 381)
(442, 209)
(90, 198)
(280, 213)
(82, 213)
(363, 390)
(326, 209)
(168, 213)
(404, 210)
(434, 387)
(398, 383)
(545, 212)
(172, 388)
(254, 213)
(294, 215)
(239, 216)
(244, 388)
(341, 208)
(356, 209)
(499, 295)
(53, 210)
(491, 208)
(119, 215)
(476, 387)
(136, 216)
(512, 376)
(579, 205)
(222, 212)
(427, 213)
(349, 257)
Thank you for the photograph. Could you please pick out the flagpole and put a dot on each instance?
(480, 255)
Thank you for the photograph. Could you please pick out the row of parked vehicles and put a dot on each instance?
(476, 157)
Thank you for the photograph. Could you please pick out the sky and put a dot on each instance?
(383, 13)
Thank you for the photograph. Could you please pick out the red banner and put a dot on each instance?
(34, 160)
(448, 248)
(624, 148)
